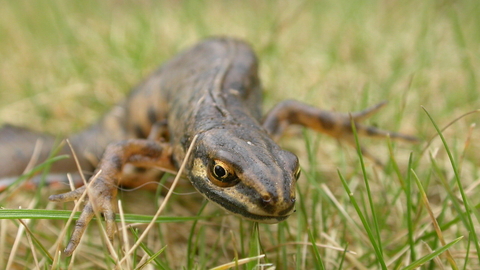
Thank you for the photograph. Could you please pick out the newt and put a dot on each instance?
(211, 91)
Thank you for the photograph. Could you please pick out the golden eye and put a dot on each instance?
(221, 174)
(297, 173)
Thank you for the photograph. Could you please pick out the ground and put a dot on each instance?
(65, 63)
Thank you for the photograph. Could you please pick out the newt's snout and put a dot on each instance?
(277, 206)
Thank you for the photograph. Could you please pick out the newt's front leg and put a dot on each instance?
(334, 124)
(103, 191)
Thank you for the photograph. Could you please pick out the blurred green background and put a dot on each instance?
(65, 58)
(64, 63)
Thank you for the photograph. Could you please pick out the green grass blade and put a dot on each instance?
(152, 258)
(394, 163)
(469, 210)
(370, 234)
(254, 247)
(434, 221)
(446, 225)
(34, 171)
(469, 240)
(410, 225)
(316, 252)
(153, 255)
(432, 255)
(342, 259)
(65, 214)
(37, 243)
(377, 239)
(190, 246)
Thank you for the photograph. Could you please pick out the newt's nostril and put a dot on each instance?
(266, 198)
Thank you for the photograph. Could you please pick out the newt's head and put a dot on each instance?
(245, 173)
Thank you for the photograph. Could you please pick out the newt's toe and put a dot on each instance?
(68, 196)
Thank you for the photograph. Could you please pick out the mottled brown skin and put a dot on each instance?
(211, 91)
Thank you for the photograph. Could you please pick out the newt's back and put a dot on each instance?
(172, 92)
(207, 70)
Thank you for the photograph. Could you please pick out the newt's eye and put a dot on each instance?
(221, 174)
(297, 173)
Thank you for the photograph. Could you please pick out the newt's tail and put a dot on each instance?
(22, 149)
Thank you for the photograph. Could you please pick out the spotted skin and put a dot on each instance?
(211, 91)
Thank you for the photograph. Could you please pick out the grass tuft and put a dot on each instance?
(64, 64)
(467, 217)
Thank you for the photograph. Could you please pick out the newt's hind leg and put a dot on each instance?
(334, 124)
(103, 190)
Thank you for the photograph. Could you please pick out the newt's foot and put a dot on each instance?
(101, 197)
(335, 124)
(102, 189)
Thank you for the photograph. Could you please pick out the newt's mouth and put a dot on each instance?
(264, 219)
(241, 210)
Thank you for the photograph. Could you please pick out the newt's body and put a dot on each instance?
(212, 91)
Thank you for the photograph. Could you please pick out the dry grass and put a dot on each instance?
(62, 60)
